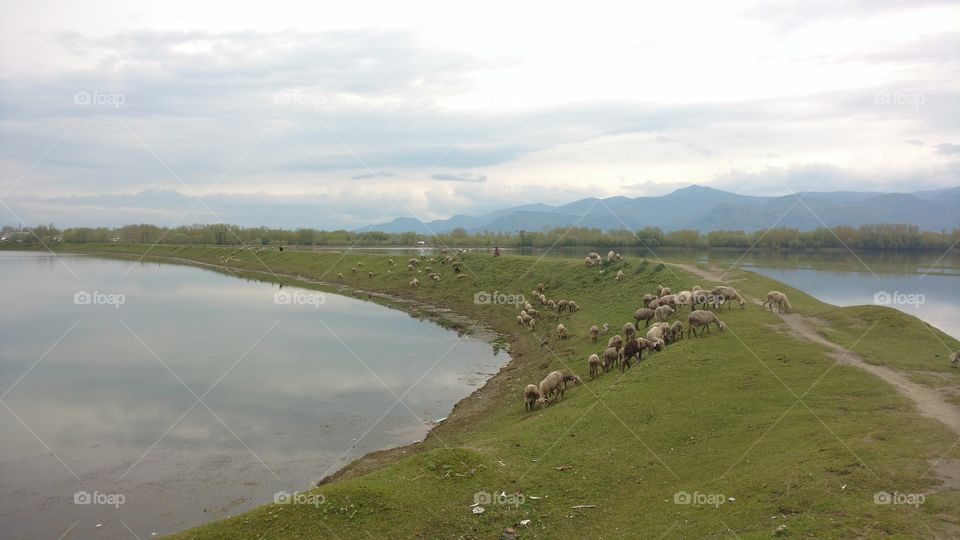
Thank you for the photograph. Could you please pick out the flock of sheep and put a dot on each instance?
(660, 331)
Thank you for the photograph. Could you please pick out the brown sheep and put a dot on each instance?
(610, 358)
(663, 313)
(676, 331)
(629, 330)
(643, 314)
(562, 305)
(723, 294)
(540, 287)
(615, 342)
(594, 332)
(572, 306)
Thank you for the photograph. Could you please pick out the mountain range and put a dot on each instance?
(708, 209)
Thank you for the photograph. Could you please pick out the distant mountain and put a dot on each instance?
(708, 209)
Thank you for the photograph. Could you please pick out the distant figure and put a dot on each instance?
(496, 251)
(281, 248)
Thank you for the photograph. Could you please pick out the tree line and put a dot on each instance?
(882, 237)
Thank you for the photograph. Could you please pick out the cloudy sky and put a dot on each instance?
(342, 114)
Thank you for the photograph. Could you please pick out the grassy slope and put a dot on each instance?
(711, 415)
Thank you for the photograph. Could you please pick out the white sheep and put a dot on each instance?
(540, 287)
(723, 294)
(572, 306)
(778, 298)
(663, 313)
(604, 329)
(340, 275)
(562, 305)
(648, 297)
(656, 332)
(619, 276)
(594, 332)
(520, 321)
(415, 282)
(556, 383)
(683, 298)
(616, 342)
(955, 359)
(662, 291)
(611, 256)
(629, 331)
(531, 395)
(594, 363)
(561, 331)
(702, 319)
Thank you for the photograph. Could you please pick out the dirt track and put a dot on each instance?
(929, 402)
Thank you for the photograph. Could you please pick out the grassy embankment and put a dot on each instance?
(713, 415)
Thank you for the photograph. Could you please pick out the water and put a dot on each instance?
(101, 397)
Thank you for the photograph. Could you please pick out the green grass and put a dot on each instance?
(713, 415)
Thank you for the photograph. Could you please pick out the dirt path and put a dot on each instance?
(928, 400)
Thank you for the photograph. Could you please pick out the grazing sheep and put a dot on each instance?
(662, 313)
(723, 294)
(410, 267)
(635, 347)
(662, 291)
(588, 262)
(428, 269)
(359, 264)
(369, 274)
(629, 330)
(526, 318)
(561, 305)
(533, 313)
(605, 328)
(668, 300)
(655, 333)
(648, 297)
(461, 276)
(701, 318)
(619, 276)
(618, 257)
(556, 383)
(415, 282)
(340, 275)
(527, 306)
(682, 298)
(653, 304)
(611, 256)
(531, 395)
(520, 321)
(696, 288)
(700, 298)
(955, 359)
(778, 298)
(676, 331)
(572, 306)
(390, 262)
(532, 324)
(354, 270)
(561, 331)
(436, 277)
(551, 304)
(643, 314)
(594, 363)
(616, 342)
(540, 287)
(594, 332)
(610, 357)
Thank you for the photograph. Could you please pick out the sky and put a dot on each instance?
(338, 115)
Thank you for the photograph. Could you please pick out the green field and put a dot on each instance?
(764, 429)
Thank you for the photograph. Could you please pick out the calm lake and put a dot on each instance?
(146, 398)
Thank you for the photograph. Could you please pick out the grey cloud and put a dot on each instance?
(948, 149)
(462, 177)
(371, 175)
